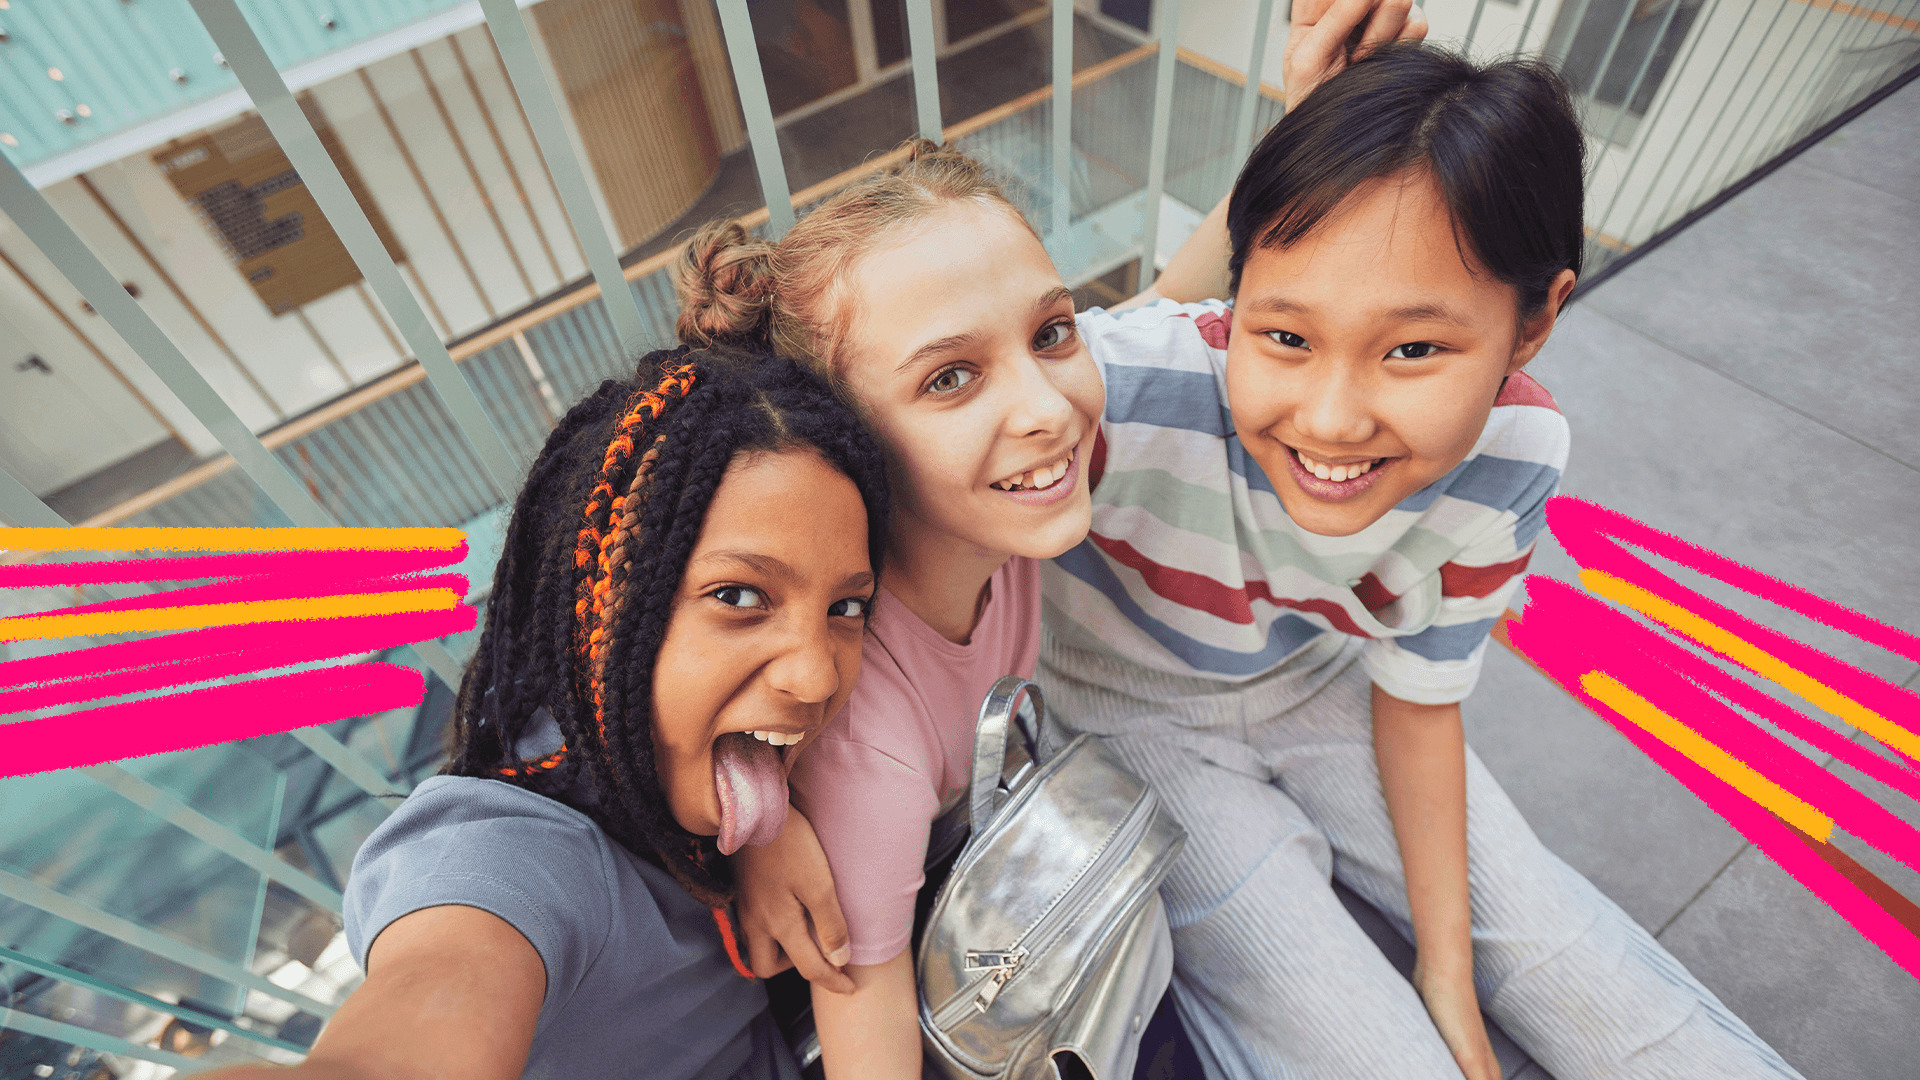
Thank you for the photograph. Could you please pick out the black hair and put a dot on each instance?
(594, 554)
(1502, 141)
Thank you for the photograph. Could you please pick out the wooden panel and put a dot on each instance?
(716, 74)
(266, 218)
(628, 74)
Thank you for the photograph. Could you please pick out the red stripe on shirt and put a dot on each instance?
(1478, 581)
(1521, 389)
(1222, 601)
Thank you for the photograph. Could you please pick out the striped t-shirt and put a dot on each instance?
(1194, 568)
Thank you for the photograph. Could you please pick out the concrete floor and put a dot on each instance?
(1749, 387)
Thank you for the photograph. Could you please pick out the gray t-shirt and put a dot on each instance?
(638, 981)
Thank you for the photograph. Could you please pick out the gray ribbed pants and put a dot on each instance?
(1276, 784)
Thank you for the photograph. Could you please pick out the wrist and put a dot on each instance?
(1444, 970)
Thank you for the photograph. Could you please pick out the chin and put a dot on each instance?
(1059, 536)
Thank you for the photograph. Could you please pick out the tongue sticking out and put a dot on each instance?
(753, 791)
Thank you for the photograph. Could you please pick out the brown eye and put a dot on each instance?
(852, 607)
(739, 596)
(950, 380)
(1415, 350)
(1288, 338)
(1053, 335)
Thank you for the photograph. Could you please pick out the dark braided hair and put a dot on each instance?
(594, 554)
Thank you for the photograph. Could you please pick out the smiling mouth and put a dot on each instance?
(1338, 474)
(1039, 479)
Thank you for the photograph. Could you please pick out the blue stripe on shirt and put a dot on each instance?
(1441, 643)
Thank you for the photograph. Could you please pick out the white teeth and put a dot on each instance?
(761, 735)
(1043, 477)
(777, 738)
(1336, 473)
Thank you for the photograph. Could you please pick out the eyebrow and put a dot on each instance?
(765, 564)
(957, 342)
(1430, 312)
(775, 568)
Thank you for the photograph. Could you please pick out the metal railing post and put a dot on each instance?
(751, 86)
(924, 51)
(1250, 93)
(1062, 111)
(509, 29)
(248, 60)
(1473, 26)
(1169, 35)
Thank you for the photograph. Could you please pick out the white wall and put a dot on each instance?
(55, 430)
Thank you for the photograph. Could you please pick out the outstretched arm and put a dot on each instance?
(1322, 39)
(1422, 755)
(450, 991)
(874, 1032)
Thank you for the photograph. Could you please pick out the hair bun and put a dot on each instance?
(724, 279)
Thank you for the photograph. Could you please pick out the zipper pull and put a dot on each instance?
(1001, 964)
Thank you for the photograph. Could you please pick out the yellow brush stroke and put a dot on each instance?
(234, 540)
(1753, 658)
(198, 616)
(1706, 755)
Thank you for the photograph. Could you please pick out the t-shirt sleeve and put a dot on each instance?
(542, 869)
(1440, 664)
(873, 814)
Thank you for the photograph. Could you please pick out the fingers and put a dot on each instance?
(807, 957)
(1388, 20)
(1307, 12)
(1416, 28)
(829, 927)
(764, 955)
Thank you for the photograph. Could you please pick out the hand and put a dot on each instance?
(789, 912)
(1327, 35)
(1455, 1009)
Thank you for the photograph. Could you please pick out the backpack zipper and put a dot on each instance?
(1002, 965)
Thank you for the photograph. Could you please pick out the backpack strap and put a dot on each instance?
(998, 717)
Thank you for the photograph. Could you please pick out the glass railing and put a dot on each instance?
(182, 911)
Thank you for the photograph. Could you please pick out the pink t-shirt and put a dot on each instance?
(876, 778)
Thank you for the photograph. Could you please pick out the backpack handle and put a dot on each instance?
(997, 715)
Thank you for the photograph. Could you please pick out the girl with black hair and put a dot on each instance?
(1311, 507)
(677, 613)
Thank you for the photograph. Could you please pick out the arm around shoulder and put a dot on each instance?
(451, 991)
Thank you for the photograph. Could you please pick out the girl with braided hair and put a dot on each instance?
(677, 612)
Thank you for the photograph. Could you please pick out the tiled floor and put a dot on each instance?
(1750, 386)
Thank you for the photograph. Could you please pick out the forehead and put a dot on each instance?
(1392, 242)
(947, 273)
(786, 501)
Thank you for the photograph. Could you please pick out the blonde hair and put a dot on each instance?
(737, 289)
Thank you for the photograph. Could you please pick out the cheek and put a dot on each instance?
(1079, 382)
(1255, 398)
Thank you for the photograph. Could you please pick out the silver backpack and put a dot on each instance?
(1047, 947)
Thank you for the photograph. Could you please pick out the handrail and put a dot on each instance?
(586, 289)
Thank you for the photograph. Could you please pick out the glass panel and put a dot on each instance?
(80, 839)
(806, 49)
(1589, 46)
(966, 18)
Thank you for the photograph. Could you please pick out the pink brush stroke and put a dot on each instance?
(1569, 634)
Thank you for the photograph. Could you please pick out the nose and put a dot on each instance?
(1334, 407)
(806, 667)
(1036, 406)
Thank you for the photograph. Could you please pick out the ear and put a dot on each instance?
(1534, 331)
